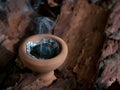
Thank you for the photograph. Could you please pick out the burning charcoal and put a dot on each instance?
(43, 25)
(30, 45)
(46, 49)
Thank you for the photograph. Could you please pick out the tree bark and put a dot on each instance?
(83, 31)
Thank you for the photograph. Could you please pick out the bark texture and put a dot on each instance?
(110, 59)
(84, 34)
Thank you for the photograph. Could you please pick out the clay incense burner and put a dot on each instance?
(45, 67)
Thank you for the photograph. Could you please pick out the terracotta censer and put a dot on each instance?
(45, 67)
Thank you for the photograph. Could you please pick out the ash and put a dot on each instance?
(45, 49)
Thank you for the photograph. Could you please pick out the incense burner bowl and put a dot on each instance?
(44, 67)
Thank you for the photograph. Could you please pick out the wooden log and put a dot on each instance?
(83, 31)
(16, 27)
(18, 18)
